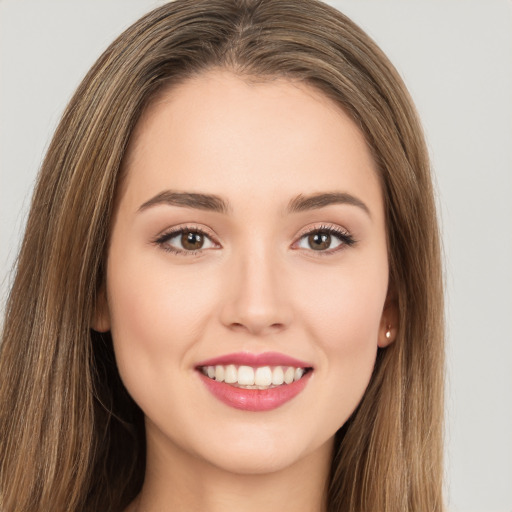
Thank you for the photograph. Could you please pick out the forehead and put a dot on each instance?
(218, 133)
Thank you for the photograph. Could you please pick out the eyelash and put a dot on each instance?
(346, 239)
(162, 240)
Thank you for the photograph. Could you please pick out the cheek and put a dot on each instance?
(343, 317)
(347, 333)
(344, 306)
(156, 315)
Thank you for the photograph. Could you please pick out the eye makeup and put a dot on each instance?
(187, 237)
(319, 239)
(187, 240)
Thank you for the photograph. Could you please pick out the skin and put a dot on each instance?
(256, 286)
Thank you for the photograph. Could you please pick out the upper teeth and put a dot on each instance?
(248, 376)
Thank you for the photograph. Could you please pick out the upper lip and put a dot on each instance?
(254, 360)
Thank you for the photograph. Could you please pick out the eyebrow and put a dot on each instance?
(211, 202)
(195, 200)
(315, 201)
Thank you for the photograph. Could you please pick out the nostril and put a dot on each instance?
(256, 328)
(239, 327)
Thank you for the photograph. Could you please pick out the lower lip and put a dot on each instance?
(255, 400)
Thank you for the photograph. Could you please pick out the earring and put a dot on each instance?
(388, 332)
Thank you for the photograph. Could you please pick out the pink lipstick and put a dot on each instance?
(254, 382)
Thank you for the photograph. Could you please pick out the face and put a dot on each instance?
(247, 272)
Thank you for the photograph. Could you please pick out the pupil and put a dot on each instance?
(319, 241)
(192, 240)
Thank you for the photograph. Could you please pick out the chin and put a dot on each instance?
(259, 460)
(257, 452)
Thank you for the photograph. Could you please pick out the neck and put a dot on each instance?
(175, 480)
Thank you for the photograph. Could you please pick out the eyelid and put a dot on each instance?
(341, 233)
(161, 239)
(344, 236)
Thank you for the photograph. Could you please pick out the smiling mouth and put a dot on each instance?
(259, 378)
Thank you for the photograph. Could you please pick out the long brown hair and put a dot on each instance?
(70, 436)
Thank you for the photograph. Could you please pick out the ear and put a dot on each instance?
(101, 315)
(388, 322)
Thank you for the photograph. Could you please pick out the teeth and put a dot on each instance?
(277, 376)
(289, 374)
(219, 373)
(261, 377)
(245, 376)
(231, 374)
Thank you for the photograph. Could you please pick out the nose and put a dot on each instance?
(257, 298)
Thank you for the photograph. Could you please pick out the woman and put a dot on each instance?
(229, 291)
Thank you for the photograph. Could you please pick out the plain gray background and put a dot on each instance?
(456, 58)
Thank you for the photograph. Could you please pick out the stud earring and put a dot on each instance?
(388, 332)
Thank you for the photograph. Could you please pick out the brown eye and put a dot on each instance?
(325, 240)
(319, 241)
(192, 240)
(185, 241)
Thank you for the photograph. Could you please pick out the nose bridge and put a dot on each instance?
(257, 300)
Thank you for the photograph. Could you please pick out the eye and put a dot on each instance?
(325, 239)
(185, 241)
